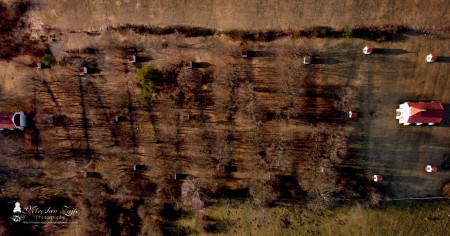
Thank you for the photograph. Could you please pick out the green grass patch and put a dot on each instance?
(393, 218)
(347, 32)
(48, 60)
(148, 77)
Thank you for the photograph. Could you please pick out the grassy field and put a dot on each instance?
(281, 124)
(287, 117)
(393, 218)
(248, 15)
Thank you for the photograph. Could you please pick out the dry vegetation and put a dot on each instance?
(248, 15)
(399, 218)
(265, 129)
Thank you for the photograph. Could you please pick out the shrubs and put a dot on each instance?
(149, 74)
(377, 33)
(147, 95)
(147, 78)
(48, 60)
(323, 32)
(446, 190)
(155, 30)
(348, 32)
(261, 36)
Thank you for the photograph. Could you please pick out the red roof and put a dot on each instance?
(83, 69)
(131, 58)
(426, 112)
(433, 57)
(6, 121)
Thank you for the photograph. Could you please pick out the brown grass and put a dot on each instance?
(281, 124)
(251, 15)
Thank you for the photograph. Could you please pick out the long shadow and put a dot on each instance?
(143, 59)
(443, 59)
(49, 90)
(389, 181)
(403, 179)
(91, 50)
(133, 120)
(200, 64)
(260, 54)
(93, 70)
(84, 119)
(112, 126)
(446, 120)
(389, 51)
(325, 60)
(445, 165)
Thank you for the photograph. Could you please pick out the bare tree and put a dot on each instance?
(190, 195)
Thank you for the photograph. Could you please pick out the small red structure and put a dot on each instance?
(83, 70)
(378, 178)
(420, 113)
(352, 114)
(188, 64)
(244, 53)
(307, 60)
(431, 58)
(367, 50)
(12, 120)
(140, 168)
(37, 65)
(132, 58)
(431, 169)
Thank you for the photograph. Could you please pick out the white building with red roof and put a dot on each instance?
(420, 113)
(431, 58)
(378, 178)
(12, 120)
(83, 70)
(132, 58)
(367, 50)
(307, 60)
(430, 169)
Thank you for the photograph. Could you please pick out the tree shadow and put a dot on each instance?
(407, 96)
(287, 186)
(389, 51)
(260, 54)
(443, 59)
(200, 64)
(445, 165)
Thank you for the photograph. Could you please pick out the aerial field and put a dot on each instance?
(266, 129)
